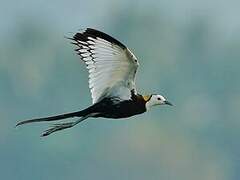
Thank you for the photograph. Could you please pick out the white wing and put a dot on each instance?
(111, 66)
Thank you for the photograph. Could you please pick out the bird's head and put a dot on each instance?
(155, 99)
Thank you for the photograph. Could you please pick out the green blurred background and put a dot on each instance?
(189, 51)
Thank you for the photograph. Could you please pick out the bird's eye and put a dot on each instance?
(159, 98)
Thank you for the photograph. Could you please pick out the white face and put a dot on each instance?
(157, 100)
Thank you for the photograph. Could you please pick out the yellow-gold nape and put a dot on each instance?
(147, 97)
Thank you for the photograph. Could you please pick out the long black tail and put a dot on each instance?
(54, 118)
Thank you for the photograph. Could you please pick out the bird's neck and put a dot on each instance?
(148, 104)
(146, 97)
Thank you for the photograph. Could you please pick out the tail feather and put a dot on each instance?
(53, 118)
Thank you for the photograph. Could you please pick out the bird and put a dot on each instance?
(112, 69)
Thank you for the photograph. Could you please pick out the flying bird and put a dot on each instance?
(112, 68)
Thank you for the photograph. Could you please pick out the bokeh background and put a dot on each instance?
(189, 51)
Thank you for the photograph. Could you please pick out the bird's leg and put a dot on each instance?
(61, 126)
(58, 127)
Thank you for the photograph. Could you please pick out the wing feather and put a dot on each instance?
(111, 65)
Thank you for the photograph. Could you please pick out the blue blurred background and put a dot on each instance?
(189, 51)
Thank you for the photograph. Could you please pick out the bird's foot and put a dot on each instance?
(58, 127)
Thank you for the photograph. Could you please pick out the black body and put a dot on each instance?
(114, 108)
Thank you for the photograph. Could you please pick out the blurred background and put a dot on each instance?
(189, 51)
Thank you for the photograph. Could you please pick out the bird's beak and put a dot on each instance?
(168, 103)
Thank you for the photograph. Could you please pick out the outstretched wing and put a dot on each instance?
(111, 65)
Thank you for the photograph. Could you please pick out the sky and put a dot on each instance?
(188, 51)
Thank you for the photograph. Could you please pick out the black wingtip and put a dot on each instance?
(84, 34)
